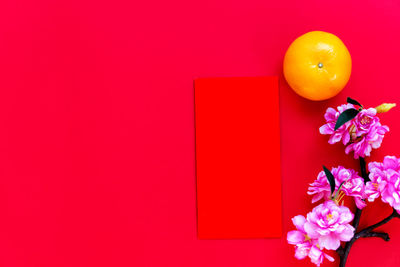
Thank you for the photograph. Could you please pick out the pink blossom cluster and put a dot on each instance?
(328, 224)
(385, 181)
(360, 134)
(347, 179)
(324, 228)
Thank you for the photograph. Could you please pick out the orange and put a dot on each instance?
(317, 65)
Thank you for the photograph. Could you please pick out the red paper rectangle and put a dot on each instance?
(238, 157)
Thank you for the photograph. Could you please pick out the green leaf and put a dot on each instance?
(346, 116)
(353, 101)
(330, 178)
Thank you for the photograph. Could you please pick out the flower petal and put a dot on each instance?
(330, 242)
(295, 237)
(299, 222)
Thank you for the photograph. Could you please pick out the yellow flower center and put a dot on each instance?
(375, 185)
(329, 217)
(306, 238)
(365, 120)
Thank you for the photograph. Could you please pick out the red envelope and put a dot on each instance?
(238, 158)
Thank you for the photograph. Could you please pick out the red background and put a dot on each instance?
(97, 134)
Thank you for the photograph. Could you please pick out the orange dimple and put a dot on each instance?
(317, 65)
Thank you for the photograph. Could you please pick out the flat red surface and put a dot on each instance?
(97, 162)
(236, 164)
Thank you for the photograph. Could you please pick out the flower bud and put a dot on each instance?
(385, 107)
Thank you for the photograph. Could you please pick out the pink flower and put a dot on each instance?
(391, 193)
(363, 146)
(320, 188)
(385, 181)
(331, 117)
(361, 134)
(378, 182)
(353, 185)
(297, 237)
(329, 224)
(302, 250)
(365, 120)
(389, 162)
(317, 256)
(374, 187)
(304, 245)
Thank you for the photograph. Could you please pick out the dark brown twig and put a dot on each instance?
(384, 236)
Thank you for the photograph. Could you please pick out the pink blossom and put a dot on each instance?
(363, 146)
(320, 188)
(329, 224)
(378, 182)
(302, 250)
(374, 187)
(360, 135)
(317, 256)
(385, 181)
(389, 162)
(365, 120)
(391, 193)
(298, 236)
(353, 185)
(331, 117)
(304, 245)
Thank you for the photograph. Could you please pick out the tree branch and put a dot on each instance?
(384, 236)
(367, 232)
(357, 217)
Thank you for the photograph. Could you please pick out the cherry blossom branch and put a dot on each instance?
(367, 232)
